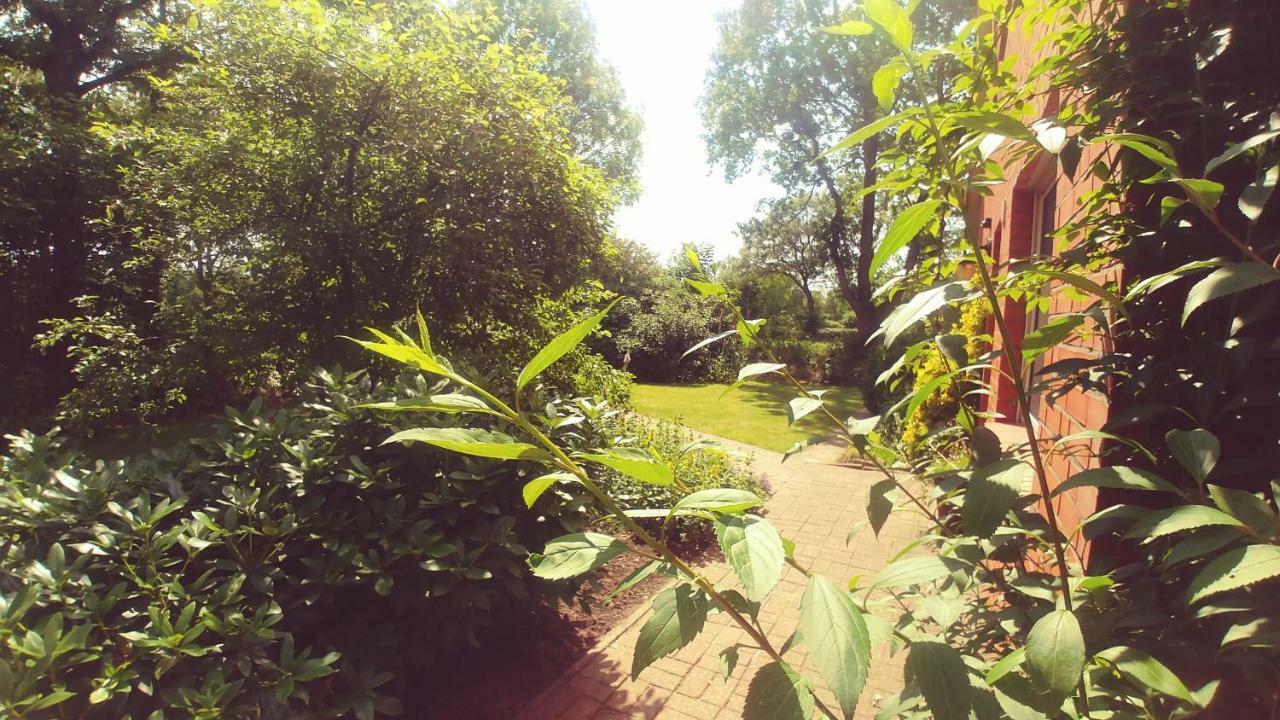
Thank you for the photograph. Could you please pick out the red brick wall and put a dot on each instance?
(1012, 233)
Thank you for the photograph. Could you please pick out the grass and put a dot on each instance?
(755, 413)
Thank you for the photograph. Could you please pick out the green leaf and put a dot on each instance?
(801, 406)
(1157, 151)
(535, 487)
(992, 122)
(571, 555)
(992, 491)
(1006, 665)
(753, 369)
(1044, 338)
(1146, 672)
(679, 614)
(839, 644)
(884, 84)
(403, 353)
(865, 132)
(707, 289)
(1119, 477)
(880, 503)
(1159, 523)
(722, 500)
(943, 679)
(1247, 508)
(1202, 193)
(1227, 280)
(778, 693)
(468, 441)
(893, 19)
(713, 339)
(636, 577)
(1084, 284)
(754, 551)
(1238, 149)
(1168, 206)
(1254, 197)
(445, 403)
(916, 571)
(852, 27)
(905, 227)
(1055, 653)
(924, 304)
(561, 345)
(1200, 543)
(634, 464)
(1196, 451)
(1235, 569)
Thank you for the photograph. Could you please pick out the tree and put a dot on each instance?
(787, 240)
(781, 91)
(604, 130)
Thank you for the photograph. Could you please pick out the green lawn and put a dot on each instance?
(755, 413)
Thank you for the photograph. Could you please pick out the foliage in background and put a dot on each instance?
(291, 168)
(942, 403)
(220, 577)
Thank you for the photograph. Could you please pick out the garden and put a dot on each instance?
(334, 391)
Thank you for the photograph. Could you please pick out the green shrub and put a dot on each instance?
(697, 465)
(284, 564)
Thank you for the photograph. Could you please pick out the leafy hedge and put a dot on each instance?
(283, 564)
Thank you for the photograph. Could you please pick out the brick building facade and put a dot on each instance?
(1018, 220)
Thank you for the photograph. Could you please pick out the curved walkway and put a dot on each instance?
(814, 504)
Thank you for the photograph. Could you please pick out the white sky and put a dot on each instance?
(662, 50)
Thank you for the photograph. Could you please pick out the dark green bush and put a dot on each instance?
(284, 564)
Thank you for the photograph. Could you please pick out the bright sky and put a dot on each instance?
(662, 50)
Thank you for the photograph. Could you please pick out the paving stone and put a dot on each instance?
(815, 504)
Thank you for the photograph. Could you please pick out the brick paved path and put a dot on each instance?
(814, 504)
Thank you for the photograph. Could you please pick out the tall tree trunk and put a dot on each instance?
(811, 310)
(867, 320)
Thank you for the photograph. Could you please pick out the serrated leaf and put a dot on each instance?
(865, 132)
(1146, 672)
(916, 571)
(754, 551)
(707, 289)
(1239, 148)
(636, 577)
(1227, 280)
(575, 554)
(1044, 338)
(754, 369)
(1055, 653)
(797, 408)
(915, 310)
(905, 227)
(992, 122)
(1159, 523)
(884, 83)
(713, 339)
(777, 692)
(443, 403)
(391, 348)
(634, 464)
(893, 19)
(880, 503)
(1157, 151)
(1247, 508)
(836, 634)
(537, 486)
(1235, 569)
(1200, 543)
(853, 28)
(679, 613)
(991, 493)
(1196, 451)
(1254, 197)
(562, 344)
(1119, 477)
(722, 500)
(469, 441)
(1006, 665)
(940, 672)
